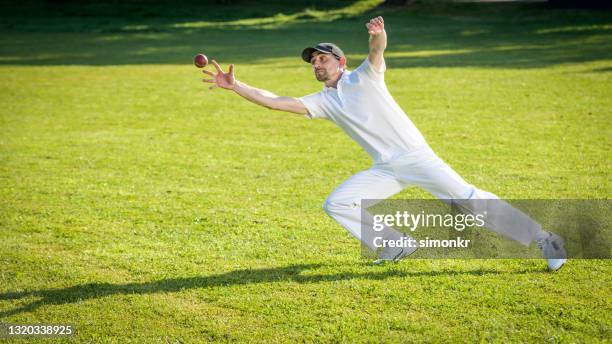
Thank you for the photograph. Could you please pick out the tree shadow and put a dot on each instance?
(165, 16)
(290, 273)
(496, 35)
(601, 70)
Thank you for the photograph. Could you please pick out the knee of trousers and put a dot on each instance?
(481, 194)
(464, 192)
(334, 205)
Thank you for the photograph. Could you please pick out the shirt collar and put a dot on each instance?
(343, 77)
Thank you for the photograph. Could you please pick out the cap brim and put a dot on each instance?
(307, 53)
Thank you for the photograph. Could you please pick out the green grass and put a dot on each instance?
(141, 207)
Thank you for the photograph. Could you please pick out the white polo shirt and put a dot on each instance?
(363, 107)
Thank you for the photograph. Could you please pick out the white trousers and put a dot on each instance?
(422, 168)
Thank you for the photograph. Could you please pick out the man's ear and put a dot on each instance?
(342, 62)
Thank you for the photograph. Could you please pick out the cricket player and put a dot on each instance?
(358, 102)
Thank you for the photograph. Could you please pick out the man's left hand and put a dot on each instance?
(376, 26)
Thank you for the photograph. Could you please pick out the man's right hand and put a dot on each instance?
(221, 79)
(255, 95)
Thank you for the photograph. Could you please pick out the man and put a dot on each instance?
(361, 105)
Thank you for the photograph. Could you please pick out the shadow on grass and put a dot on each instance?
(290, 273)
(461, 35)
(601, 70)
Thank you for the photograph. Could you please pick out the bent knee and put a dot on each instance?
(328, 206)
(481, 194)
(334, 205)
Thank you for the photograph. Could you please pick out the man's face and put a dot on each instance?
(325, 66)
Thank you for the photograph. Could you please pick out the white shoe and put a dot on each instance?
(394, 255)
(553, 250)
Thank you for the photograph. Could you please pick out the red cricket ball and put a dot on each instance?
(200, 60)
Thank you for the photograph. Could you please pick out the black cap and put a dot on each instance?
(327, 48)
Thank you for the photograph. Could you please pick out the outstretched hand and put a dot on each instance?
(221, 79)
(376, 26)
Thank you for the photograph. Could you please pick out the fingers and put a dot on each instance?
(217, 66)
(209, 80)
(212, 87)
(231, 69)
(370, 28)
(373, 29)
(378, 19)
(207, 72)
(375, 25)
(377, 22)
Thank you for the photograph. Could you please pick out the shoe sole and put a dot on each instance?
(558, 267)
(397, 259)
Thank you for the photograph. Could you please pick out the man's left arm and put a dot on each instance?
(378, 42)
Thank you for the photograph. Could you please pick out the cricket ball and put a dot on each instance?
(200, 60)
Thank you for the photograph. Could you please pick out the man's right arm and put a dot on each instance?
(255, 95)
(269, 99)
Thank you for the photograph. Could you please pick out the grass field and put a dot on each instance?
(139, 206)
